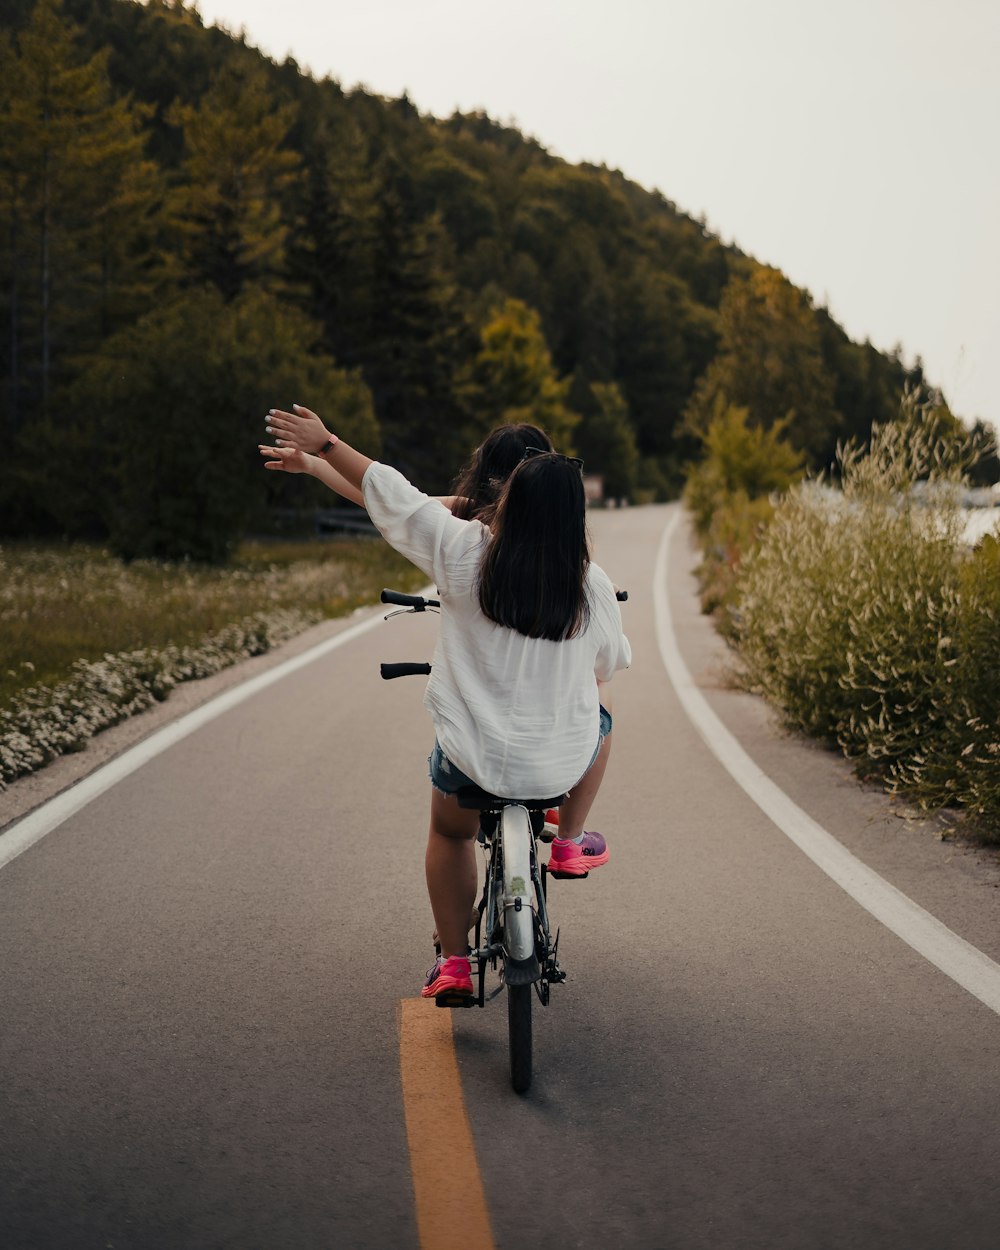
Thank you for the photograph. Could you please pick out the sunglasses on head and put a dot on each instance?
(531, 452)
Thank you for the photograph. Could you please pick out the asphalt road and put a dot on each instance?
(202, 972)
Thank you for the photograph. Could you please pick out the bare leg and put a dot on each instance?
(452, 878)
(575, 810)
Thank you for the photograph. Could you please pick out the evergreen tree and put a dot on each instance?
(769, 361)
(236, 171)
(660, 335)
(78, 203)
(398, 233)
(415, 336)
(332, 253)
(177, 404)
(606, 440)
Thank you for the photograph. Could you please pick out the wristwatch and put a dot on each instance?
(330, 443)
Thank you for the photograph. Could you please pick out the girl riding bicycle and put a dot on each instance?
(529, 623)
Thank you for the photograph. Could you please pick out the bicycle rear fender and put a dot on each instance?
(519, 922)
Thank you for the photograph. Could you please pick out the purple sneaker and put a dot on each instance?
(575, 859)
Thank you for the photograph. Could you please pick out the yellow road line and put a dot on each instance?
(451, 1205)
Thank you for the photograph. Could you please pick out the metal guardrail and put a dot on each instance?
(328, 520)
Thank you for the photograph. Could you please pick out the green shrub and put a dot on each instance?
(732, 532)
(728, 495)
(738, 457)
(861, 615)
(969, 771)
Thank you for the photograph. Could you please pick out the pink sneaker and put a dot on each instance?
(451, 976)
(575, 859)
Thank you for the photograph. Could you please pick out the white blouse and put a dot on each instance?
(518, 715)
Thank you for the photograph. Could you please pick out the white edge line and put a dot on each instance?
(33, 827)
(968, 966)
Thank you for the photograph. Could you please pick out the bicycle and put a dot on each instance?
(513, 932)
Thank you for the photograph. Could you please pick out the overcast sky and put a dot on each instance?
(854, 145)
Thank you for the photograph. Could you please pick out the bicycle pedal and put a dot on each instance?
(455, 1000)
(568, 876)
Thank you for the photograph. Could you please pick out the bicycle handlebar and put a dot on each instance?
(417, 602)
(389, 671)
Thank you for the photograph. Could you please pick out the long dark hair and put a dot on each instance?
(477, 487)
(533, 573)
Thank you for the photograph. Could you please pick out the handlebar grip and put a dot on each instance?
(621, 595)
(389, 671)
(417, 602)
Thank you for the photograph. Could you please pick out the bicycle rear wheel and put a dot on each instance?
(519, 1028)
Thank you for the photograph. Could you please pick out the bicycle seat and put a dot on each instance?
(481, 801)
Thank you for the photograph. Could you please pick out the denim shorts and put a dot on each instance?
(448, 778)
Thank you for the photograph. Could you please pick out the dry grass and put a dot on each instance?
(62, 604)
(869, 622)
(86, 641)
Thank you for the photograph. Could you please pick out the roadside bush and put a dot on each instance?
(969, 773)
(734, 528)
(861, 615)
(738, 456)
(728, 495)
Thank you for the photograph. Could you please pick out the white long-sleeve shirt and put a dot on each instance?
(518, 715)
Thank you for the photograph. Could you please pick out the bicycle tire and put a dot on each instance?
(519, 1029)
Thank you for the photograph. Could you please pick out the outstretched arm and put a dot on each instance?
(328, 475)
(301, 431)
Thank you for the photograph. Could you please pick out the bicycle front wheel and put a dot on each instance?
(519, 1028)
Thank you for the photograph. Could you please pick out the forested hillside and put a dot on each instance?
(191, 233)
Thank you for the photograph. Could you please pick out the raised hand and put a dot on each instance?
(287, 459)
(300, 428)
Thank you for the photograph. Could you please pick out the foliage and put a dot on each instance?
(236, 167)
(728, 493)
(513, 379)
(606, 440)
(738, 457)
(179, 473)
(77, 199)
(145, 158)
(862, 616)
(43, 723)
(734, 529)
(770, 362)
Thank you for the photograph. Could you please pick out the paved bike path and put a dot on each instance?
(202, 972)
(743, 1057)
